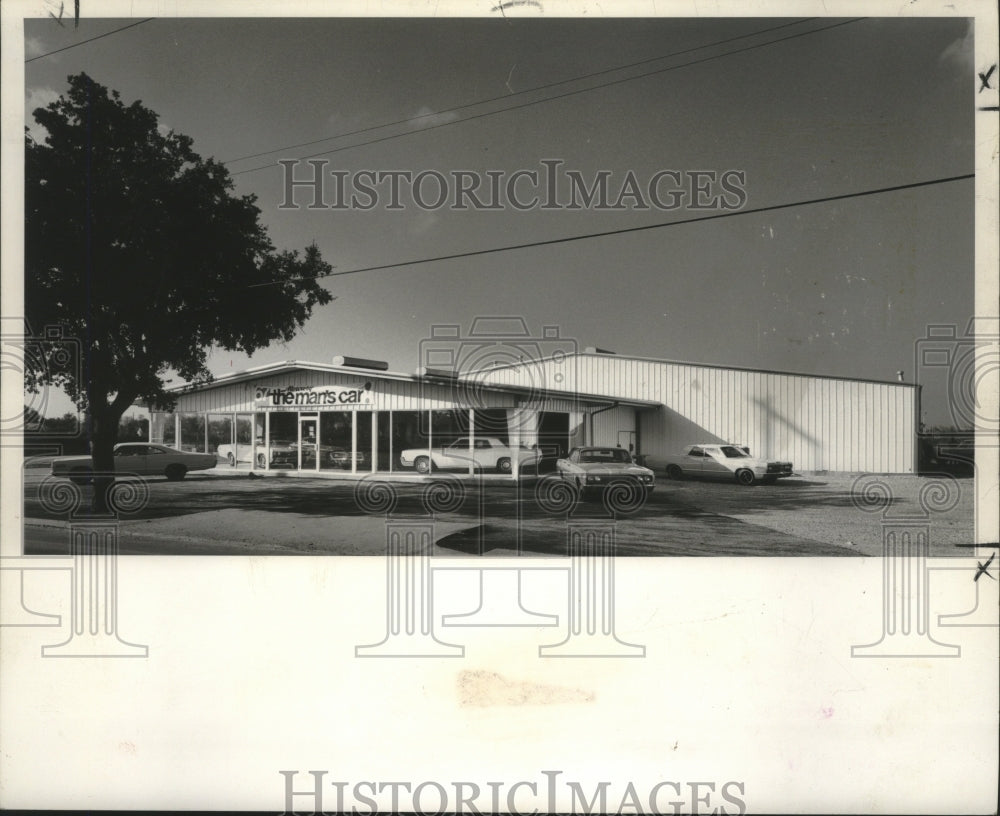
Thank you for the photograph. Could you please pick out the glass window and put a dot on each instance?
(363, 449)
(192, 433)
(284, 439)
(385, 453)
(335, 440)
(162, 428)
(409, 432)
(220, 431)
(492, 422)
(448, 427)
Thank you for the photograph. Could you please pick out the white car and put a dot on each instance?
(141, 458)
(713, 460)
(595, 468)
(487, 453)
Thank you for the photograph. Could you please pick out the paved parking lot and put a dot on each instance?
(230, 512)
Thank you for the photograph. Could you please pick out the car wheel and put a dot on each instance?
(674, 472)
(232, 460)
(745, 477)
(81, 476)
(503, 465)
(422, 464)
(175, 472)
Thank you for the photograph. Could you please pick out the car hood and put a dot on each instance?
(71, 461)
(605, 468)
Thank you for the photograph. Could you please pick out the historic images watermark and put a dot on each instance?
(965, 364)
(550, 794)
(41, 361)
(312, 184)
(462, 369)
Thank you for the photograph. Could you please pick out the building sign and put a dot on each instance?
(329, 397)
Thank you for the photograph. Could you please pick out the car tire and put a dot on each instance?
(745, 477)
(674, 472)
(422, 464)
(175, 473)
(232, 460)
(81, 476)
(503, 465)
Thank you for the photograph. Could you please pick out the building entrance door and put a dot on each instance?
(308, 442)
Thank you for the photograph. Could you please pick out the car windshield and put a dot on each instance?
(605, 455)
(734, 453)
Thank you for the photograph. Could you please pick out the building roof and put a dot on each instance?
(610, 355)
(287, 366)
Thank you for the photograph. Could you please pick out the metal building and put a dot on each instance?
(819, 423)
(352, 416)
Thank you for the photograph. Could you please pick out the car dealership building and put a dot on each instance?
(354, 416)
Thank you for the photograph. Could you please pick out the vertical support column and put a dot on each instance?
(354, 442)
(591, 618)
(409, 595)
(94, 595)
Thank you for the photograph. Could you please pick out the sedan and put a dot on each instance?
(596, 468)
(485, 453)
(717, 461)
(138, 458)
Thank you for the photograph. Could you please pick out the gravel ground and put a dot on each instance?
(226, 512)
(821, 508)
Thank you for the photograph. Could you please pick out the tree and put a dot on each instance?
(140, 249)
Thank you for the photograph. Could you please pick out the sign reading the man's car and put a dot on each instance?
(329, 397)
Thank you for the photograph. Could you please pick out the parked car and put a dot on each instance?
(241, 452)
(341, 458)
(285, 453)
(596, 468)
(488, 453)
(142, 458)
(715, 461)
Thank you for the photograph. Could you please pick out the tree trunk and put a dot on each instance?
(103, 436)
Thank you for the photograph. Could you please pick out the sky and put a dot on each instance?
(843, 288)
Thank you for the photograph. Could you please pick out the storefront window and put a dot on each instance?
(492, 423)
(335, 440)
(364, 441)
(448, 426)
(284, 439)
(220, 432)
(408, 432)
(192, 433)
(259, 426)
(162, 428)
(384, 452)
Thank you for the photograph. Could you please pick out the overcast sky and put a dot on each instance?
(841, 288)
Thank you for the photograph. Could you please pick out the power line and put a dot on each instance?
(626, 230)
(84, 42)
(557, 96)
(516, 93)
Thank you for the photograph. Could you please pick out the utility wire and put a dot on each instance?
(517, 93)
(627, 230)
(84, 42)
(557, 96)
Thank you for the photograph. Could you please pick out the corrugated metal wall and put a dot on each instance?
(607, 424)
(817, 423)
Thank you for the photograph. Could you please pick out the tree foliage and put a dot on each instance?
(140, 249)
